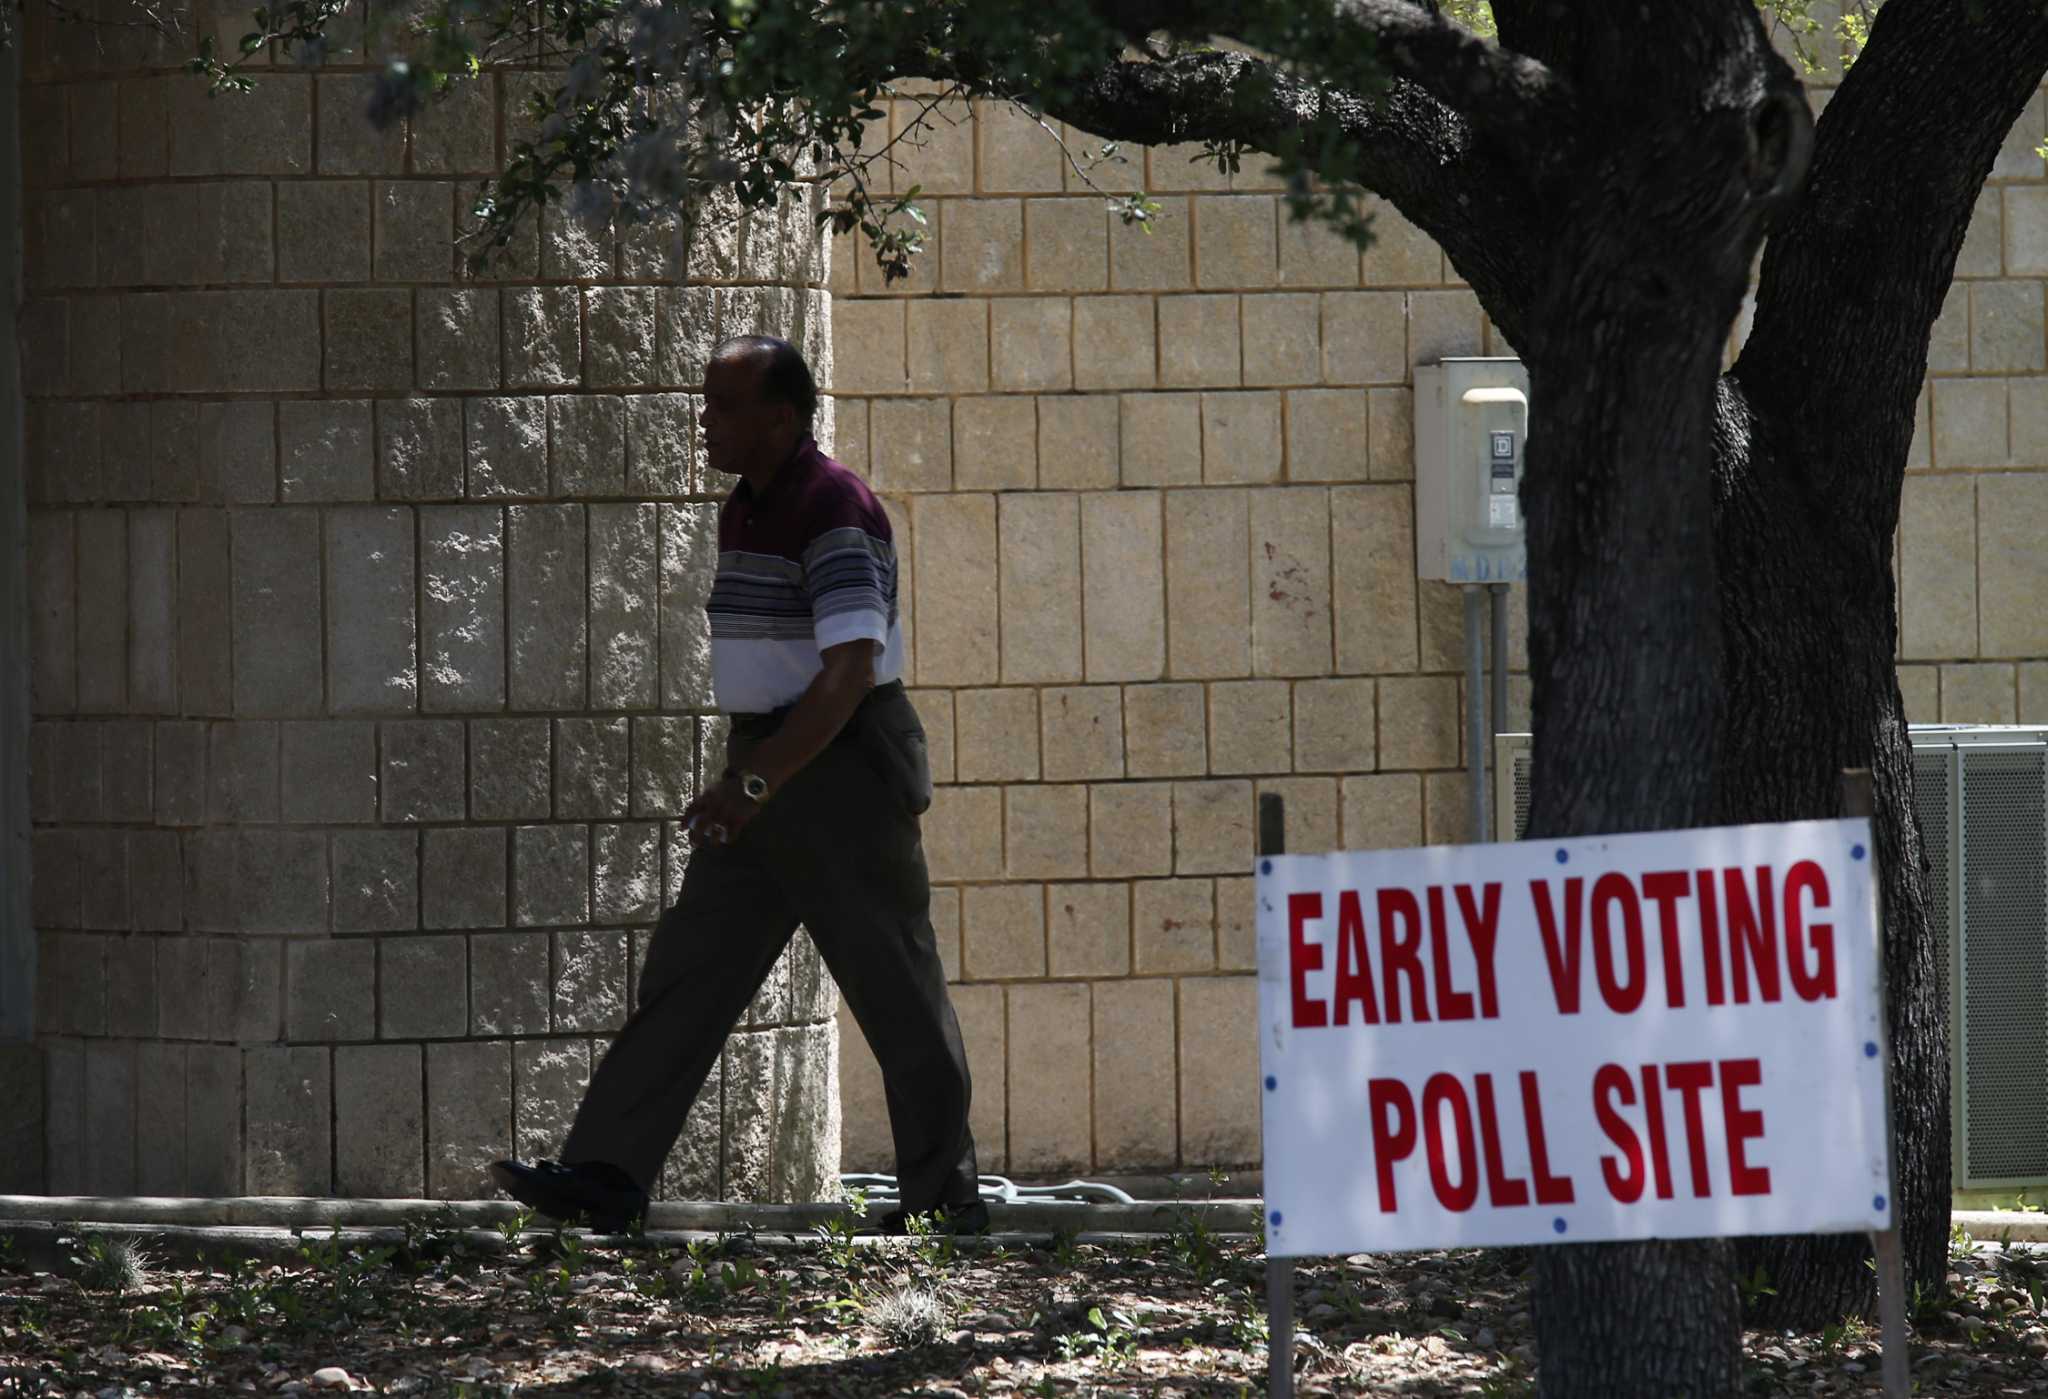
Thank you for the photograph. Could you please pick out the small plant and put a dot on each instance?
(1248, 1324)
(1065, 1253)
(112, 1264)
(909, 1315)
(510, 1229)
(1961, 1247)
(1108, 1336)
(1754, 1286)
(1191, 1242)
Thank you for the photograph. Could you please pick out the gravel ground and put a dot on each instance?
(550, 1314)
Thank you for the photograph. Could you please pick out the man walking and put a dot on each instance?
(814, 822)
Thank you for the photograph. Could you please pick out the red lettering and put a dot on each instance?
(1550, 1189)
(1401, 956)
(1818, 982)
(1354, 966)
(1442, 1091)
(1392, 1113)
(1752, 935)
(1689, 1079)
(1450, 1004)
(1561, 955)
(1710, 936)
(1501, 1188)
(1622, 996)
(1653, 1113)
(1482, 925)
(1623, 1173)
(1665, 889)
(1743, 1125)
(1304, 957)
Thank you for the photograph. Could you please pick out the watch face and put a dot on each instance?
(755, 787)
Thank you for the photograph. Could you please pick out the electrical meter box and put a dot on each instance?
(1471, 423)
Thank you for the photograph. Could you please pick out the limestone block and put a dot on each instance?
(549, 1077)
(152, 616)
(575, 248)
(469, 1116)
(238, 446)
(1948, 346)
(935, 713)
(589, 981)
(95, 354)
(997, 735)
(620, 323)
(1442, 323)
(591, 767)
(1003, 931)
(1236, 241)
(372, 629)
(949, 346)
(1212, 827)
(243, 765)
(1390, 434)
(1173, 925)
(2011, 509)
(551, 875)
(983, 249)
(746, 1138)
(1290, 551)
(1334, 726)
(1088, 929)
(546, 606)
(1446, 808)
(1130, 829)
(180, 774)
(807, 1122)
(376, 881)
(689, 542)
(125, 769)
(423, 988)
(1327, 439)
(963, 834)
(322, 232)
(415, 230)
(1400, 255)
(281, 882)
(330, 990)
(543, 336)
(369, 343)
(423, 775)
(53, 614)
(1969, 423)
(1115, 343)
(1066, 244)
(457, 134)
(945, 931)
(509, 772)
(1236, 925)
(123, 468)
(2006, 331)
(508, 447)
(1980, 254)
(1136, 1117)
(2025, 226)
(1208, 582)
(1046, 831)
(379, 1122)
(349, 144)
(912, 448)
(45, 330)
(463, 879)
(661, 443)
(1082, 733)
(1373, 548)
(54, 895)
(1419, 721)
(159, 1119)
(102, 610)
(64, 1114)
(1049, 1101)
(694, 1169)
(103, 879)
(626, 872)
(1166, 730)
(1154, 255)
(770, 1005)
(243, 990)
(870, 349)
(939, 137)
(1383, 812)
(459, 336)
(1920, 691)
(1365, 337)
(511, 986)
(1187, 166)
(71, 972)
(956, 589)
(462, 641)
(1248, 727)
(131, 978)
(2028, 404)
(1123, 591)
(663, 753)
(1283, 339)
(213, 1120)
(1018, 151)
(1219, 1104)
(156, 874)
(1937, 567)
(1041, 588)
(1313, 254)
(2019, 157)
(109, 1118)
(329, 771)
(1199, 342)
(1311, 812)
(994, 443)
(1978, 694)
(1031, 343)
(1078, 443)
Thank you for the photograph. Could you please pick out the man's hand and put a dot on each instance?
(718, 815)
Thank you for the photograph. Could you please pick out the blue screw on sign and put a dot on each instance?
(1265, 867)
(1563, 855)
(1271, 1083)
(1275, 1217)
(1870, 1049)
(1855, 852)
(1877, 1203)
(1558, 1225)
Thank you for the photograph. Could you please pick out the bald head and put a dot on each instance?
(759, 399)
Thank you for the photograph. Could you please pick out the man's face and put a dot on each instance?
(742, 429)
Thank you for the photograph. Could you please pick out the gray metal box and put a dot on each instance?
(1471, 422)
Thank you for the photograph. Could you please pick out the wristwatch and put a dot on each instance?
(756, 787)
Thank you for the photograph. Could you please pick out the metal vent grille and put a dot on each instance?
(2005, 971)
(1523, 785)
(1931, 800)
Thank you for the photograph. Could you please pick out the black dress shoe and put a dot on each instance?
(963, 1217)
(601, 1194)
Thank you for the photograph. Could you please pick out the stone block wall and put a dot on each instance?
(368, 660)
(1158, 488)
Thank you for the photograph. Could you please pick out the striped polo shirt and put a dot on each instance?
(808, 563)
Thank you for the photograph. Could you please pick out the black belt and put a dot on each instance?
(760, 725)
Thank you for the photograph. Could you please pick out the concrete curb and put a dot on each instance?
(1990, 1226)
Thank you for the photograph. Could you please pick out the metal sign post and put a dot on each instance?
(1279, 1271)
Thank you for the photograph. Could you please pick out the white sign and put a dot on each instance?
(1670, 1035)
